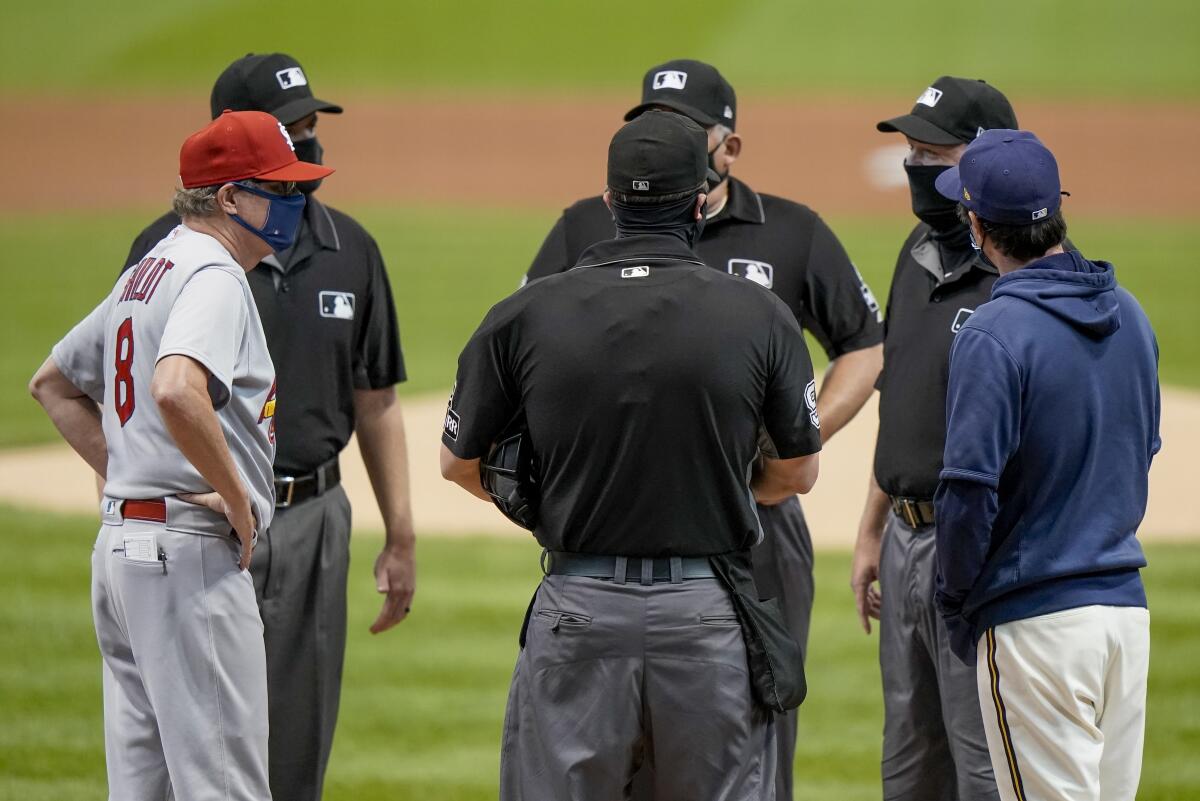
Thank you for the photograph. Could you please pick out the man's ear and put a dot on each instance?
(225, 199)
(733, 147)
(607, 199)
(700, 198)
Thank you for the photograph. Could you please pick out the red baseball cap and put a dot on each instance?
(239, 145)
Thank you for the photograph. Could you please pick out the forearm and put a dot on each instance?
(849, 381)
(875, 511)
(379, 426)
(79, 422)
(192, 423)
(776, 480)
(464, 473)
(74, 414)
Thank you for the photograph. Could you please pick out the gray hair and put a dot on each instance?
(723, 131)
(198, 202)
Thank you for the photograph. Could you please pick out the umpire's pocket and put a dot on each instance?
(559, 619)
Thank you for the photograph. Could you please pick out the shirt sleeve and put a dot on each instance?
(207, 323)
(79, 355)
(983, 408)
(484, 399)
(790, 404)
(551, 258)
(378, 359)
(843, 313)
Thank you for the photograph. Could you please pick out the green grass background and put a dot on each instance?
(1100, 48)
(444, 282)
(422, 705)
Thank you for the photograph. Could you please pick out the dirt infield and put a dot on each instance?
(439, 507)
(120, 152)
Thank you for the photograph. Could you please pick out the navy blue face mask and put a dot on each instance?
(283, 217)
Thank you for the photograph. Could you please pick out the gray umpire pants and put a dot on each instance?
(934, 745)
(299, 570)
(185, 685)
(783, 569)
(614, 675)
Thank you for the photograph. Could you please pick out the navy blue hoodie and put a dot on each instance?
(1052, 419)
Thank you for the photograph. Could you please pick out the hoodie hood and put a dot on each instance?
(1081, 292)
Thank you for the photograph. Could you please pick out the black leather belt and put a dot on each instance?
(674, 569)
(290, 490)
(915, 512)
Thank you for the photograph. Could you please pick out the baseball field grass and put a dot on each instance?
(58, 268)
(1057, 48)
(422, 705)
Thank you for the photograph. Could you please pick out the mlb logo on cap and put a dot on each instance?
(641, 186)
(291, 77)
(930, 97)
(670, 79)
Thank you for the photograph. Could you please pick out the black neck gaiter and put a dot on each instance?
(941, 213)
(672, 219)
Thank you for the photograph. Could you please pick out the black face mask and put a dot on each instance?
(712, 164)
(673, 219)
(941, 213)
(309, 150)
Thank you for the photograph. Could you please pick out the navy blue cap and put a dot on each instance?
(1006, 177)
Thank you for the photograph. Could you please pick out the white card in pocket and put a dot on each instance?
(141, 548)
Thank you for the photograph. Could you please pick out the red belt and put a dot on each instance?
(153, 509)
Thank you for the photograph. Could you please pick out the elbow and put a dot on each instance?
(170, 395)
(43, 382)
(451, 465)
(804, 475)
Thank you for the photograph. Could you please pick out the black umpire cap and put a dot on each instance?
(659, 153)
(692, 88)
(274, 83)
(954, 111)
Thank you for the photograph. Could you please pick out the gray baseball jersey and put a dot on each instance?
(189, 297)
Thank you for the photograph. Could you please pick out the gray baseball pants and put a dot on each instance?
(934, 745)
(783, 569)
(185, 684)
(299, 570)
(614, 675)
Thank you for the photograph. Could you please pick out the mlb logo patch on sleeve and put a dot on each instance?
(291, 78)
(670, 79)
(338, 305)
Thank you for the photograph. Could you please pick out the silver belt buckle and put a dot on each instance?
(290, 481)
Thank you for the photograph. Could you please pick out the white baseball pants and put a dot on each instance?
(1063, 698)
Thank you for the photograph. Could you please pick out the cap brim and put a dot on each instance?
(301, 107)
(949, 185)
(683, 108)
(296, 171)
(920, 129)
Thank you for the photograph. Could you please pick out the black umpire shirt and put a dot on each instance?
(330, 321)
(643, 377)
(937, 285)
(775, 242)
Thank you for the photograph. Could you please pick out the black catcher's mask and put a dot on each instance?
(509, 476)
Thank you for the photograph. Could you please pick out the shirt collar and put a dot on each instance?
(641, 246)
(926, 253)
(744, 204)
(321, 222)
